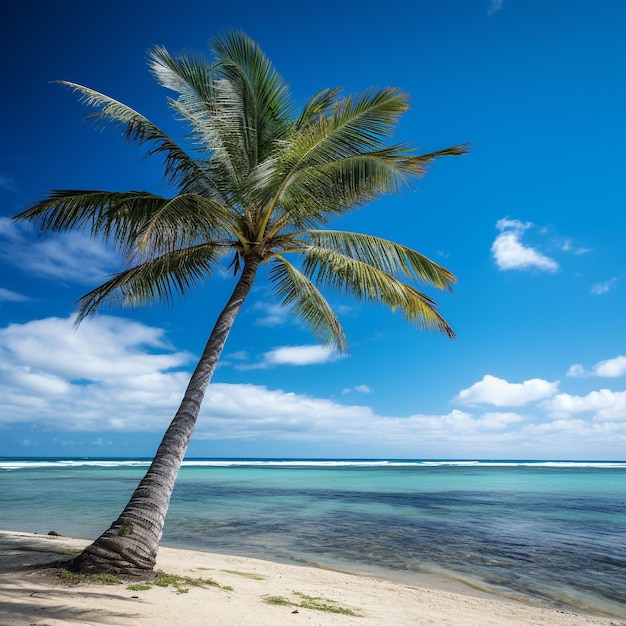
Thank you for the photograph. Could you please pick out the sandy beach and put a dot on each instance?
(30, 594)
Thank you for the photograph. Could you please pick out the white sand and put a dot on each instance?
(31, 597)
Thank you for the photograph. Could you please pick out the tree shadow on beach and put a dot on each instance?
(32, 593)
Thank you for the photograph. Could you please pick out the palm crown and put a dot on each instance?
(262, 182)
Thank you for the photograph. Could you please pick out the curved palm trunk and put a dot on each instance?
(130, 545)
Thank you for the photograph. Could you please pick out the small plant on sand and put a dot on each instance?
(182, 583)
(278, 601)
(321, 604)
(244, 574)
(71, 578)
(310, 602)
(139, 587)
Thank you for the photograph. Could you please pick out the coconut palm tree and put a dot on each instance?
(260, 182)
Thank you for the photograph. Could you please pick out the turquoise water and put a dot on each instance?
(550, 530)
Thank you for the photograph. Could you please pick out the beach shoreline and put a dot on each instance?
(31, 595)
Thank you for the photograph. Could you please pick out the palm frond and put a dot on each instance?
(110, 214)
(189, 75)
(154, 280)
(371, 284)
(267, 107)
(319, 105)
(296, 291)
(194, 79)
(179, 167)
(388, 256)
(183, 221)
(339, 161)
(137, 222)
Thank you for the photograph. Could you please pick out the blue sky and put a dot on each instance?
(532, 222)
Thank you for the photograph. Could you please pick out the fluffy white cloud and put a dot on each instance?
(604, 404)
(499, 392)
(300, 355)
(113, 375)
(510, 253)
(251, 411)
(110, 373)
(610, 368)
(67, 256)
(293, 355)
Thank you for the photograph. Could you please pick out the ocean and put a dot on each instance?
(550, 531)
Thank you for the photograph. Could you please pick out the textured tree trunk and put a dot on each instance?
(130, 545)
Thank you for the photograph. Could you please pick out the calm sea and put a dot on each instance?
(554, 531)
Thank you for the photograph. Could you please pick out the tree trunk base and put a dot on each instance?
(109, 557)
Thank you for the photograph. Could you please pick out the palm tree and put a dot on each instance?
(260, 182)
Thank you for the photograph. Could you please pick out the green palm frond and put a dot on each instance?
(296, 291)
(183, 221)
(357, 124)
(107, 214)
(264, 102)
(388, 256)
(179, 167)
(189, 75)
(155, 280)
(339, 160)
(319, 105)
(371, 284)
(135, 221)
(317, 193)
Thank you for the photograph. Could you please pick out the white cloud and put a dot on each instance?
(110, 373)
(294, 355)
(499, 392)
(576, 371)
(568, 246)
(300, 355)
(610, 368)
(117, 375)
(271, 314)
(6, 295)
(601, 288)
(358, 388)
(604, 404)
(66, 256)
(509, 252)
(497, 421)
(251, 411)
(495, 6)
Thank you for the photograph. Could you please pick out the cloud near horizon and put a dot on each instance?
(499, 392)
(511, 254)
(114, 375)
